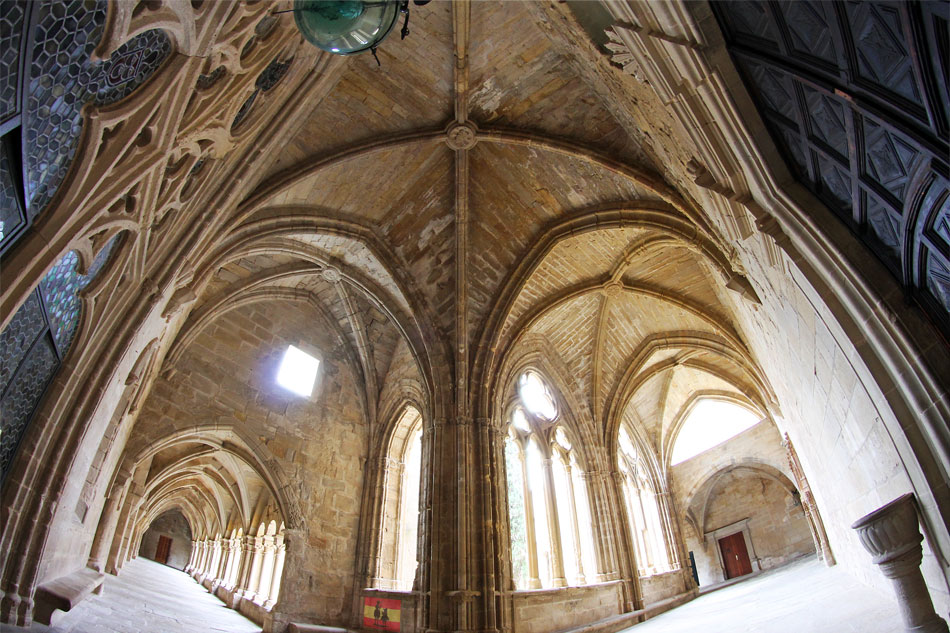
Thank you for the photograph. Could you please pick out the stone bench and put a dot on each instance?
(313, 628)
(65, 592)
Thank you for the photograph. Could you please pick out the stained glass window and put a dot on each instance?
(36, 340)
(41, 112)
(268, 78)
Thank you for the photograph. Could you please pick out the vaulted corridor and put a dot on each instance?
(551, 315)
(148, 598)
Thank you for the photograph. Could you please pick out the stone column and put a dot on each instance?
(534, 580)
(669, 540)
(554, 526)
(192, 557)
(244, 575)
(278, 571)
(205, 560)
(105, 531)
(255, 578)
(625, 553)
(124, 526)
(575, 529)
(227, 579)
(892, 536)
(224, 549)
(267, 570)
(604, 530)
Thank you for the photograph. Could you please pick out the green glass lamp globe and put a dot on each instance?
(344, 27)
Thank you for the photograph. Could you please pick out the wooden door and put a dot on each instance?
(735, 556)
(161, 550)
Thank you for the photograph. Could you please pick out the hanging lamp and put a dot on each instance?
(347, 27)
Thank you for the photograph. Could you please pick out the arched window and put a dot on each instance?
(549, 515)
(647, 528)
(709, 422)
(400, 515)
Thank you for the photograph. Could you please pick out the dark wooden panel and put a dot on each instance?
(855, 95)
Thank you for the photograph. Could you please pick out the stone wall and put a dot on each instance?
(777, 526)
(661, 586)
(318, 443)
(547, 610)
(174, 526)
(757, 445)
(847, 436)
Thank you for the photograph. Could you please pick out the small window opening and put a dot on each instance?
(710, 423)
(536, 397)
(298, 371)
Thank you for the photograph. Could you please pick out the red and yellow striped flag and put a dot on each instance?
(381, 614)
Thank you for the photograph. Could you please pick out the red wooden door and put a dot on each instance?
(161, 550)
(735, 556)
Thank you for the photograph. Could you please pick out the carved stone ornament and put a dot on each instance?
(892, 536)
(331, 274)
(613, 289)
(460, 136)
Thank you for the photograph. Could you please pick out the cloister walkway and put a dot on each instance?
(802, 597)
(148, 597)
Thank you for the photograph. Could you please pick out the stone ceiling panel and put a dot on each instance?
(353, 253)
(582, 258)
(515, 193)
(377, 184)
(411, 89)
(571, 330)
(519, 79)
(679, 272)
(632, 319)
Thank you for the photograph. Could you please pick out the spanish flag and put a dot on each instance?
(381, 614)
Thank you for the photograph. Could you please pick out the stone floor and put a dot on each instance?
(147, 598)
(803, 597)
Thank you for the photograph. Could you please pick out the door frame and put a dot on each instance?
(158, 548)
(713, 536)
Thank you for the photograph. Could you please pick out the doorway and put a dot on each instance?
(735, 556)
(162, 549)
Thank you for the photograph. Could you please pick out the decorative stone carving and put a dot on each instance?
(181, 298)
(812, 516)
(613, 289)
(892, 537)
(332, 274)
(620, 53)
(460, 136)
